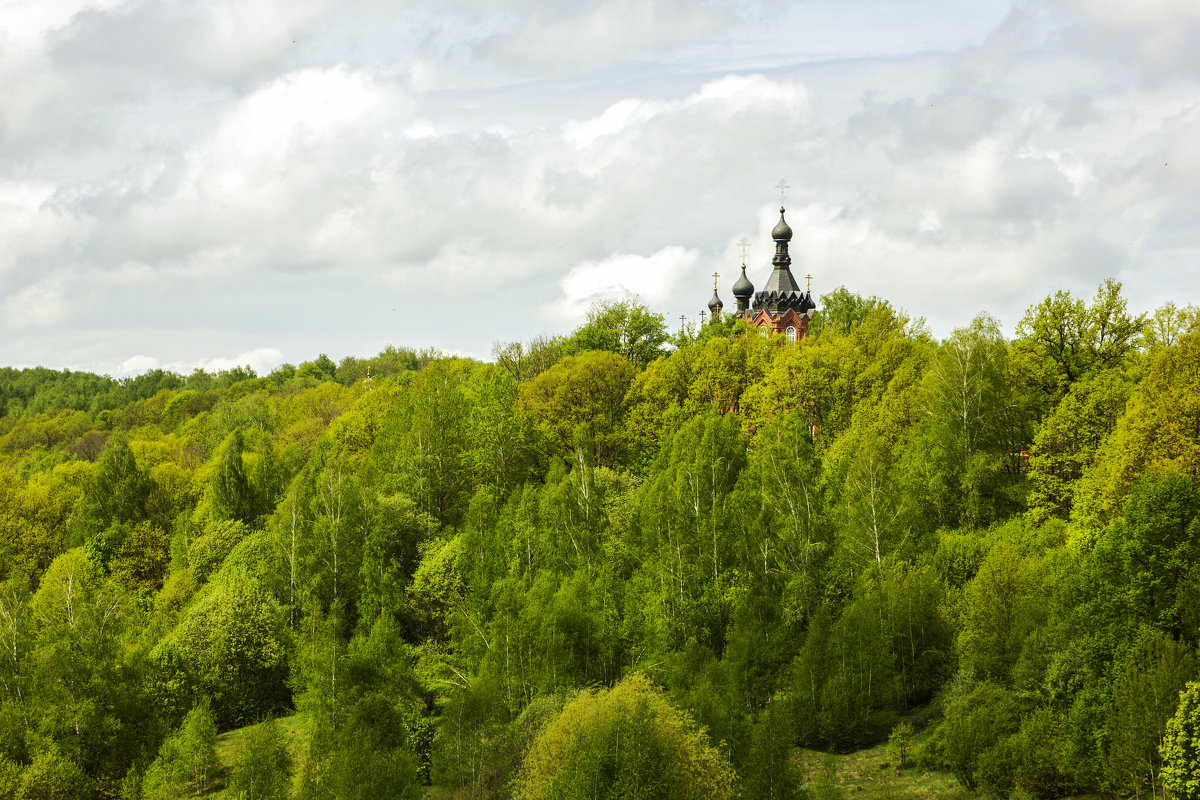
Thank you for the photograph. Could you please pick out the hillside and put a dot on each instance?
(445, 577)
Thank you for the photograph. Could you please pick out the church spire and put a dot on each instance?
(743, 289)
(781, 292)
(715, 305)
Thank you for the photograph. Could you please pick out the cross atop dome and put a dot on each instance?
(782, 186)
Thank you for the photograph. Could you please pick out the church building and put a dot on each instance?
(782, 306)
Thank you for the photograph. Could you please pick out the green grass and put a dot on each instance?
(870, 774)
(293, 729)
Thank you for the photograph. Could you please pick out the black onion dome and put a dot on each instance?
(782, 232)
(743, 288)
(715, 304)
(781, 291)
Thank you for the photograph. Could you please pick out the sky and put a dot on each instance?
(213, 183)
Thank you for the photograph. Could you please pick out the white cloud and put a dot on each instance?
(261, 359)
(578, 34)
(341, 174)
(651, 279)
(136, 365)
(1154, 39)
(38, 305)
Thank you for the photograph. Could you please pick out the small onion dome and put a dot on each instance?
(743, 288)
(781, 232)
(715, 305)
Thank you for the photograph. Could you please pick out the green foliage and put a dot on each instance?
(263, 769)
(1159, 431)
(772, 771)
(1144, 696)
(187, 760)
(231, 494)
(968, 435)
(622, 741)
(118, 490)
(801, 542)
(825, 785)
(972, 738)
(900, 744)
(140, 563)
(841, 311)
(581, 399)
(1065, 339)
(1180, 747)
(1161, 543)
(52, 776)
(1002, 607)
(236, 646)
(623, 327)
(1069, 440)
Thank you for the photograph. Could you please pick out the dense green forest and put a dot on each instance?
(625, 562)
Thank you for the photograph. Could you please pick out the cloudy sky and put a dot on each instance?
(214, 182)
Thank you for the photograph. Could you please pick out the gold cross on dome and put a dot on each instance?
(782, 186)
(809, 278)
(744, 245)
(715, 276)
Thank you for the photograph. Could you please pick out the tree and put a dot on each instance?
(965, 411)
(52, 776)
(264, 768)
(1069, 439)
(423, 447)
(187, 760)
(1161, 538)
(85, 699)
(684, 520)
(321, 368)
(780, 508)
(1168, 324)
(1064, 339)
(500, 437)
(232, 497)
(581, 398)
(976, 723)
(1145, 693)
(1003, 605)
(624, 327)
(900, 744)
(1159, 431)
(140, 563)
(841, 310)
(235, 639)
(1180, 747)
(771, 772)
(524, 362)
(627, 741)
(118, 490)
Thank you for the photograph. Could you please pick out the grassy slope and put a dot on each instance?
(863, 775)
(294, 730)
(868, 774)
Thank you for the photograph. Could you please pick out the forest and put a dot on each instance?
(624, 562)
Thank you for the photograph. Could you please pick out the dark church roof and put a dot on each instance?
(782, 292)
(743, 288)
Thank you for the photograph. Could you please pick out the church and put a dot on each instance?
(782, 306)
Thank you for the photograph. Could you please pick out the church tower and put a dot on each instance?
(782, 305)
(743, 289)
(715, 305)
